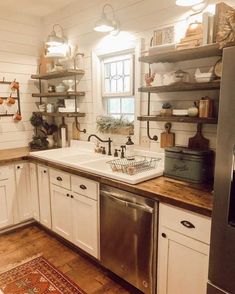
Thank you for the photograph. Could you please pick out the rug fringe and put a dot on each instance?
(14, 265)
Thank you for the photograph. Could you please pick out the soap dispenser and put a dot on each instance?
(130, 154)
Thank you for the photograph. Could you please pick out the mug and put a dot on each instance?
(15, 85)
(17, 117)
(10, 100)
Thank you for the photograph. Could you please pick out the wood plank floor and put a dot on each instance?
(27, 242)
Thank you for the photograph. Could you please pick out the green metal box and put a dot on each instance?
(189, 165)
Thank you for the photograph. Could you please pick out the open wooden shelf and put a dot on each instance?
(62, 114)
(56, 94)
(183, 54)
(182, 87)
(59, 74)
(181, 119)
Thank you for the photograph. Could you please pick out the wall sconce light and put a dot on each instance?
(188, 3)
(54, 39)
(57, 43)
(106, 25)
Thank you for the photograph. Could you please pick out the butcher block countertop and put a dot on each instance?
(178, 193)
(9, 155)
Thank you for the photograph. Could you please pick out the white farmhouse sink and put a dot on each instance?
(82, 157)
(99, 165)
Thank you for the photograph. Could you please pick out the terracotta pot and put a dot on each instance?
(10, 100)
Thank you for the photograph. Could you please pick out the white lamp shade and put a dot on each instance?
(104, 25)
(188, 2)
(58, 51)
(54, 40)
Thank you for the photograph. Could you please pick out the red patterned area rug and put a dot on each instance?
(36, 275)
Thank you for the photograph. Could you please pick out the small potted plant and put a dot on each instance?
(166, 109)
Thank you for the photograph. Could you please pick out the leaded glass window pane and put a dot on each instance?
(119, 72)
(118, 80)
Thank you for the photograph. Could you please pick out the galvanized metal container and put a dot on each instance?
(189, 165)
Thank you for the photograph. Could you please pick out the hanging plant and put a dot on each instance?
(108, 124)
(36, 120)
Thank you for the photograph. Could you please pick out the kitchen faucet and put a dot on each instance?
(109, 141)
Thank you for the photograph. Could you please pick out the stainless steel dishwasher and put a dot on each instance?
(128, 237)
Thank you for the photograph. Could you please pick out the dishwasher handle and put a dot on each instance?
(126, 203)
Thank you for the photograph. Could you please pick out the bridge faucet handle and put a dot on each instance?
(103, 150)
(123, 147)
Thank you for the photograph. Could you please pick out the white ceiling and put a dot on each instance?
(34, 7)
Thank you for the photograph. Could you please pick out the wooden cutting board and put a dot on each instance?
(198, 141)
(75, 131)
(167, 138)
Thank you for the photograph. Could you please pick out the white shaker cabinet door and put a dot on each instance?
(34, 190)
(6, 202)
(23, 194)
(44, 196)
(182, 264)
(85, 224)
(61, 212)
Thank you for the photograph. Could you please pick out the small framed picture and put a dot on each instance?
(164, 36)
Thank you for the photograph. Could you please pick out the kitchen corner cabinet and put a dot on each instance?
(34, 190)
(23, 195)
(74, 206)
(183, 251)
(7, 186)
(44, 196)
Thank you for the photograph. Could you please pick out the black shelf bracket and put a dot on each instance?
(155, 137)
(77, 126)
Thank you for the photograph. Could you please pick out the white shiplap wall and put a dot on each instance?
(139, 18)
(20, 38)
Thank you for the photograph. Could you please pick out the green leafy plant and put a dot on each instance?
(41, 130)
(50, 129)
(108, 124)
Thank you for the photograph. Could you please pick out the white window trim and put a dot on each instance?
(98, 103)
(117, 58)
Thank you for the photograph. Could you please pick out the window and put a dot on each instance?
(118, 85)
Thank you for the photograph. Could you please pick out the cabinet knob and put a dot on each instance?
(59, 179)
(72, 196)
(164, 235)
(18, 167)
(45, 171)
(187, 224)
(67, 195)
(83, 187)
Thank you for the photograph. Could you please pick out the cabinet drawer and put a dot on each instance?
(85, 187)
(5, 172)
(188, 223)
(60, 178)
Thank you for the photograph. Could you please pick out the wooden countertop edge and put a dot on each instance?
(163, 197)
(161, 189)
(12, 155)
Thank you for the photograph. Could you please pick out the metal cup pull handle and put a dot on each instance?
(187, 224)
(83, 187)
(59, 179)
